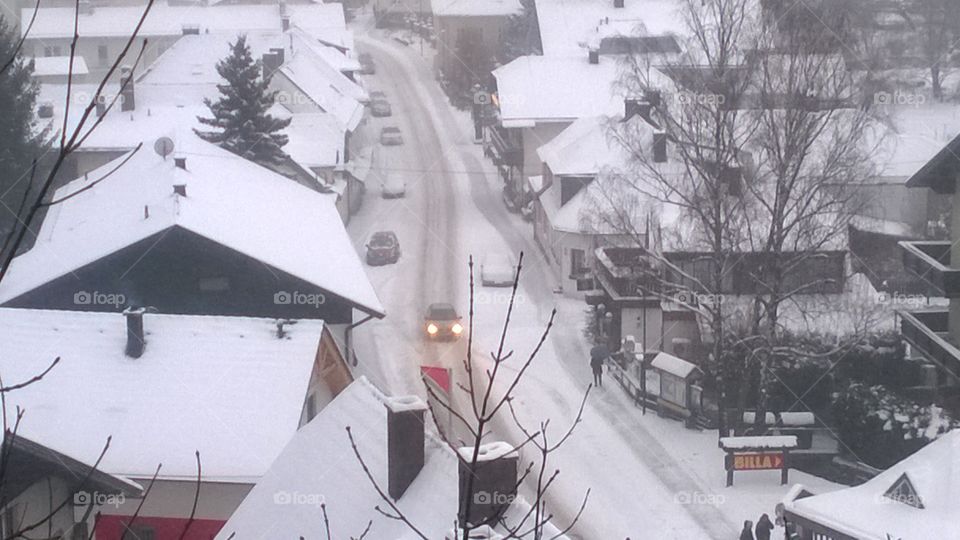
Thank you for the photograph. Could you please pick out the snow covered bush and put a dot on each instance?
(880, 427)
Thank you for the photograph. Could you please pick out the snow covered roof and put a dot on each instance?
(915, 135)
(49, 66)
(324, 20)
(758, 442)
(871, 511)
(319, 465)
(566, 24)
(226, 386)
(316, 140)
(584, 148)
(673, 365)
(476, 8)
(575, 89)
(231, 201)
(327, 87)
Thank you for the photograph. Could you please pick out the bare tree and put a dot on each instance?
(699, 94)
(936, 24)
(491, 390)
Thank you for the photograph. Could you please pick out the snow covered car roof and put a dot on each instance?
(231, 201)
(226, 386)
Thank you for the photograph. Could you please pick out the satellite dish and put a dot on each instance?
(163, 147)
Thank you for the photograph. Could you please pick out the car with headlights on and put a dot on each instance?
(442, 322)
(393, 186)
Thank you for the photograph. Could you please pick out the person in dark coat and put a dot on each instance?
(747, 532)
(596, 362)
(764, 527)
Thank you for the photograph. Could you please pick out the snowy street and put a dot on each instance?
(453, 209)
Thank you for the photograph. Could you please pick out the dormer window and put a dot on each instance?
(903, 491)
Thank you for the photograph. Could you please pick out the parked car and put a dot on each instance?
(391, 136)
(497, 270)
(442, 322)
(393, 186)
(367, 67)
(383, 248)
(380, 108)
(376, 95)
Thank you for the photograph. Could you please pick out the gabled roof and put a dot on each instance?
(869, 513)
(320, 462)
(476, 8)
(565, 24)
(324, 20)
(319, 466)
(576, 89)
(231, 201)
(31, 462)
(226, 386)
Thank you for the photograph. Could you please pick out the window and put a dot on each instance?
(102, 54)
(51, 50)
(577, 263)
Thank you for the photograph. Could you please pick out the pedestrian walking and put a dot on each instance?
(764, 527)
(598, 354)
(597, 364)
(747, 532)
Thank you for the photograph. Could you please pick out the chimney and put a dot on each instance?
(594, 55)
(405, 433)
(652, 97)
(190, 29)
(270, 63)
(127, 94)
(180, 163)
(618, 4)
(285, 22)
(494, 482)
(659, 146)
(633, 107)
(279, 53)
(180, 189)
(101, 106)
(45, 110)
(135, 338)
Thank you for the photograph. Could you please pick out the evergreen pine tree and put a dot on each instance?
(21, 138)
(240, 114)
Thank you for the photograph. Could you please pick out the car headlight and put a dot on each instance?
(432, 329)
(457, 328)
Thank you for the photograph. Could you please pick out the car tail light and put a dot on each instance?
(432, 329)
(457, 328)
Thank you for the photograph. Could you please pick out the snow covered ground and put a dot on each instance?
(649, 477)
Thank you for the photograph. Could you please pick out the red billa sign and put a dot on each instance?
(758, 461)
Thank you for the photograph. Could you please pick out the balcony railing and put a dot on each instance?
(506, 151)
(930, 261)
(927, 332)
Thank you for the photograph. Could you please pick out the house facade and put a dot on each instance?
(225, 391)
(481, 23)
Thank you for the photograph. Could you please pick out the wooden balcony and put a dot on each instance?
(930, 261)
(927, 331)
